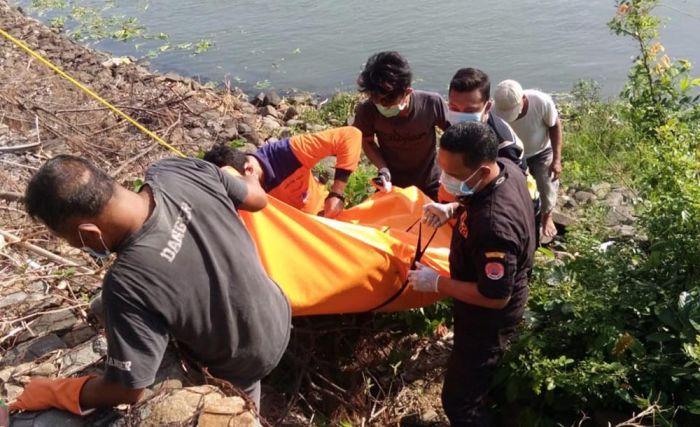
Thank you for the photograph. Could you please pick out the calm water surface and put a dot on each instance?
(320, 46)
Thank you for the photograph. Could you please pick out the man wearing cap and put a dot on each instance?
(534, 117)
(491, 257)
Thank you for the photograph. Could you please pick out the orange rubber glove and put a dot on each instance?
(42, 393)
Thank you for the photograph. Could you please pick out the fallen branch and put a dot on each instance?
(12, 239)
(11, 196)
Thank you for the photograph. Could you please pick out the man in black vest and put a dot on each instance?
(490, 263)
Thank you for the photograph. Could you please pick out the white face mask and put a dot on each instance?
(455, 117)
(93, 252)
(459, 188)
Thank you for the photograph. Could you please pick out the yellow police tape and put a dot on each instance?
(87, 90)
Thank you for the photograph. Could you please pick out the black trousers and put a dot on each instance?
(476, 353)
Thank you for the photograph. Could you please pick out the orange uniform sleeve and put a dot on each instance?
(344, 143)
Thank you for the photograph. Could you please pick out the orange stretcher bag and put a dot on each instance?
(359, 264)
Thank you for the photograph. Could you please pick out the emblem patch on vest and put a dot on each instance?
(494, 270)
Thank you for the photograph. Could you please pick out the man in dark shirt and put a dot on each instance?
(490, 262)
(186, 269)
(403, 121)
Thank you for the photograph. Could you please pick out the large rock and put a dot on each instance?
(204, 405)
(620, 215)
(31, 350)
(272, 98)
(51, 322)
(584, 197)
(269, 124)
(562, 218)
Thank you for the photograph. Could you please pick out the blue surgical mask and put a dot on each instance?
(91, 251)
(458, 188)
(455, 117)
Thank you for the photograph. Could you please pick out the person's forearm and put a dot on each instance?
(468, 292)
(555, 135)
(100, 393)
(339, 186)
(372, 152)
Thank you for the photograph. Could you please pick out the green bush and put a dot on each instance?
(619, 328)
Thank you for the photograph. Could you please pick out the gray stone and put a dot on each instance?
(13, 298)
(296, 123)
(79, 335)
(315, 128)
(84, 356)
(199, 133)
(268, 111)
(625, 230)
(244, 128)
(290, 114)
(614, 198)
(300, 99)
(562, 218)
(259, 100)
(4, 129)
(567, 201)
(51, 322)
(269, 124)
(620, 215)
(285, 132)
(584, 197)
(30, 350)
(211, 115)
(272, 98)
(229, 133)
(601, 190)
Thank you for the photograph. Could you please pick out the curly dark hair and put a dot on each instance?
(386, 75)
(223, 155)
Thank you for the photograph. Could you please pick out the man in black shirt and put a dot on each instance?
(490, 262)
(186, 269)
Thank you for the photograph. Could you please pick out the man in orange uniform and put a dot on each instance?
(284, 167)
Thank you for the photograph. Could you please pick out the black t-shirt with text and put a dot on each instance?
(493, 245)
(192, 273)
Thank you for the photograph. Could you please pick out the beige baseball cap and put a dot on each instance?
(508, 100)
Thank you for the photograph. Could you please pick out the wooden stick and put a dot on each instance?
(11, 238)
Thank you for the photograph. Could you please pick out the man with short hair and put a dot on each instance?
(491, 256)
(403, 121)
(186, 269)
(469, 99)
(534, 117)
(284, 167)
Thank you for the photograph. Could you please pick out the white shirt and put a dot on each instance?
(533, 127)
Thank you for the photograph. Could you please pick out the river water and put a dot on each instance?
(320, 46)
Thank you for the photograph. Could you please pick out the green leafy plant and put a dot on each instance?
(617, 329)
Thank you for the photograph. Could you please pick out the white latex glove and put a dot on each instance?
(437, 214)
(383, 181)
(423, 279)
